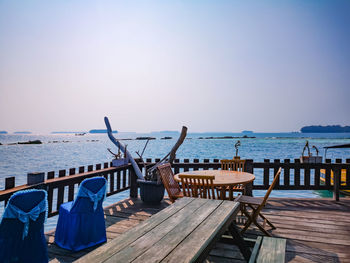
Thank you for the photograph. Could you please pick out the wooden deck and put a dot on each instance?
(318, 230)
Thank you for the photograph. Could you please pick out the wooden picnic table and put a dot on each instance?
(182, 232)
(224, 180)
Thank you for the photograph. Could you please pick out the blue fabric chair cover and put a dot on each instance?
(81, 223)
(22, 236)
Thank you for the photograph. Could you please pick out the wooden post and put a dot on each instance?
(347, 174)
(275, 170)
(9, 183)
(50, 175)
(71, 186)
(35, 178)
(176, 169)
(60, 192)
(266, 175)
(249, 169)
(186, 161)
(133, 183)
(195, 161)
(336, 181)
(90, 168)
(286, 173)
(81, 169)
(328, 173)
(297, 173)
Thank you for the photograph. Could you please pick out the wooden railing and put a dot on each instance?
(295, 175)
(62, 186)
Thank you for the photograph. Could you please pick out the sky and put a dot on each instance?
(213, 66)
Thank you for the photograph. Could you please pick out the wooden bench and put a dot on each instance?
(268, 250)
(183, 232)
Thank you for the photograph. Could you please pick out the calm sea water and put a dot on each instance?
(65, 151)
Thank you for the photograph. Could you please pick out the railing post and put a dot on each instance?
(336, 181)
(249, 169)
(266, 174)
(133, 183)
(347, 180)
(9, 183)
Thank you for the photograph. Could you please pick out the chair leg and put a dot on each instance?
(261, 228)
(267, 221)
(249, 221)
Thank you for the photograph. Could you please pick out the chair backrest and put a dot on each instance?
(27, 200)
(27, 206)
(232, 164)
(91, 194)
(198, 186)
(167, 176)
(274, 182)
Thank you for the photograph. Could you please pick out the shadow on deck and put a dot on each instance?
(317, 230)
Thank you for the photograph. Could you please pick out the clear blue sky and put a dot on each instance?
(157, 65)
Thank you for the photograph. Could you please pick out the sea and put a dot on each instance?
(64, 151)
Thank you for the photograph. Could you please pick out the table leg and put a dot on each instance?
(238, 239)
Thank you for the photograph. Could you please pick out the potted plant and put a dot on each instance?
(151, 186)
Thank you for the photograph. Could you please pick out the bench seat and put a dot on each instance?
(269, 249)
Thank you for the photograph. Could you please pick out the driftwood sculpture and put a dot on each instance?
(151, 173)
(123, 149)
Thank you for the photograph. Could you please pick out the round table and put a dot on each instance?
(223, 178)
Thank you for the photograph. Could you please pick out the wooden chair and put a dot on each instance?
(234, 165)
(257, 204)
(198, 186)
(172, 187)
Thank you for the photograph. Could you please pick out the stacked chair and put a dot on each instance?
(81, 223)
(22, 236)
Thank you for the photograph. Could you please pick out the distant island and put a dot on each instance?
(3, 132)
(247, 132)
(168, 132)
(22, 132)
(101, 131)
(325, 129)
(67, 132)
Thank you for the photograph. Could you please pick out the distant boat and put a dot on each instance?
(80, 134)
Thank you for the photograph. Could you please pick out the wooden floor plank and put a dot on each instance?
(317, 230)
(149, 239)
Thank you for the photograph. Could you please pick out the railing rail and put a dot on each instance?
(62, 186)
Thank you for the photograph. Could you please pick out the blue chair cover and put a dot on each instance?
(22, 236)
(81, 223)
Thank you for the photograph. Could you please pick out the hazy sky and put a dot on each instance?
(157, 65)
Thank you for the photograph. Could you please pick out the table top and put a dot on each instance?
(222, 177)
(182, 232)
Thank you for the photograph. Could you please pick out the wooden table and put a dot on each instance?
(223, 178)
(182, 232)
